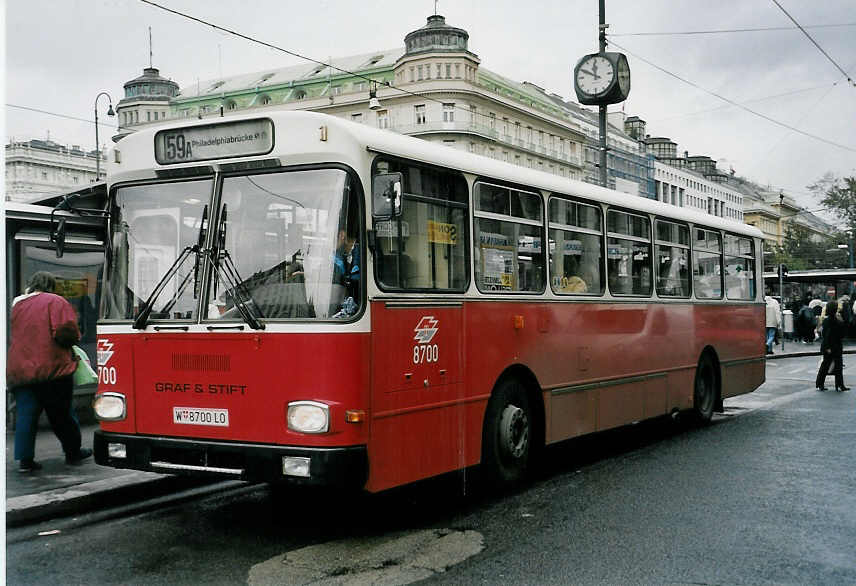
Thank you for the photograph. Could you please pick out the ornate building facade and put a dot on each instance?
(38, 169)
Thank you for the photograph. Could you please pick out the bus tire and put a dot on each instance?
(705, 393)
(507, 434)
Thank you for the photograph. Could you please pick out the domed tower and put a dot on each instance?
(436, 51)
(146, 100)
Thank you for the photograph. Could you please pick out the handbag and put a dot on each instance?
(83, 374)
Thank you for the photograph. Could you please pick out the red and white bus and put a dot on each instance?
(296, 297)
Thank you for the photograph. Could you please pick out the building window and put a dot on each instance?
(421, 117)
(148, 116)
(449, 112)
(360, 86)
(231, 105)
(419, 73)
(448, 71)
(383, 119)
(457, 71)
(492, 116)
(358, 118)
(439, 70)
(336, 90)
(266, 101)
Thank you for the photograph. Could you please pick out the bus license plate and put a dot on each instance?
(197, 416)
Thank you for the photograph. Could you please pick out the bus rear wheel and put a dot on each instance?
(507, 434)
(704, 390)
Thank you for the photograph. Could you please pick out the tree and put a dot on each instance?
(838, 196)
(801, 249)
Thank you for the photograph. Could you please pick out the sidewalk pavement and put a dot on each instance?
(794, 348)
(60, 489)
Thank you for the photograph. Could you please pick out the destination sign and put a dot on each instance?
(214, 141)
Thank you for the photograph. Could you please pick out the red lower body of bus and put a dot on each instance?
(407, 401)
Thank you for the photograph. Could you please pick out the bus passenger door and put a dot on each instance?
(419, 414)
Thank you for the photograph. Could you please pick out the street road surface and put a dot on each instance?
(764, 495)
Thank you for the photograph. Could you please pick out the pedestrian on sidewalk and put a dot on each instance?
(831, 348)
(774, 320)
(39, 369)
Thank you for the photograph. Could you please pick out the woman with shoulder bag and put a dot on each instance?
(39, 370)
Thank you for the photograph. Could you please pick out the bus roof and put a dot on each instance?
(137, 153)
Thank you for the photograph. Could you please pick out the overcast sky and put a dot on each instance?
(61, 54)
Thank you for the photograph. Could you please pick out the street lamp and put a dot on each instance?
(110, 112)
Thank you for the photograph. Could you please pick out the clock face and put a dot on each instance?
(595, 75)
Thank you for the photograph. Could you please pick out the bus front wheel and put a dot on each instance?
(507, 434)
(704, 390)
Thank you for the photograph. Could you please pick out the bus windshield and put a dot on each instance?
(283, 245)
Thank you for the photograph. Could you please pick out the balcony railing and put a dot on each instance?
(485, 131)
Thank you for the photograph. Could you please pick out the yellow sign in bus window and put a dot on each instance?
(440, 233)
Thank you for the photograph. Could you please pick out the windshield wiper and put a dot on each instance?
(229, 273)
(143, 318)
(200, 242)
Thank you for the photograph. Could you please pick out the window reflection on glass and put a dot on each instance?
(293, 238)
(672, 259)
(628, 265)
(575, 261)
(576, 255)
(707, 264)
(739, 268)
(150, 226)
(673, 278)
(77, 279)
(508, 252)
(508, 256)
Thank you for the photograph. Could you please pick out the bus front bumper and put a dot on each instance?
(343, 467)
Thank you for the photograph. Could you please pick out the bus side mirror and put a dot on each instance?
(58, 237)
(386, 195)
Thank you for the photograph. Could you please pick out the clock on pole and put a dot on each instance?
(602, 78)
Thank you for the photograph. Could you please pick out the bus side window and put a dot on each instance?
(425, 246)
(707, 264)
(575, 247)
(508, 246)
(628, 253)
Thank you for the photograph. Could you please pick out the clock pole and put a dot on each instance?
(602, 109)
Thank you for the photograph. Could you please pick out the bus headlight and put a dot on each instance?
(109, 406)
(308, 417)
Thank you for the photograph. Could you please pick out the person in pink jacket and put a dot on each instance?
(39, 369)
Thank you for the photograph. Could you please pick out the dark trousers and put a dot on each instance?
(837, 369)
(55, 397)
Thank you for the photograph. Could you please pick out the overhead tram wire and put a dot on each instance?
(782, 95)
(803, 117)
(727, 31)
(733, 103)
(805, 32)
(49, 113)
(299, 56)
